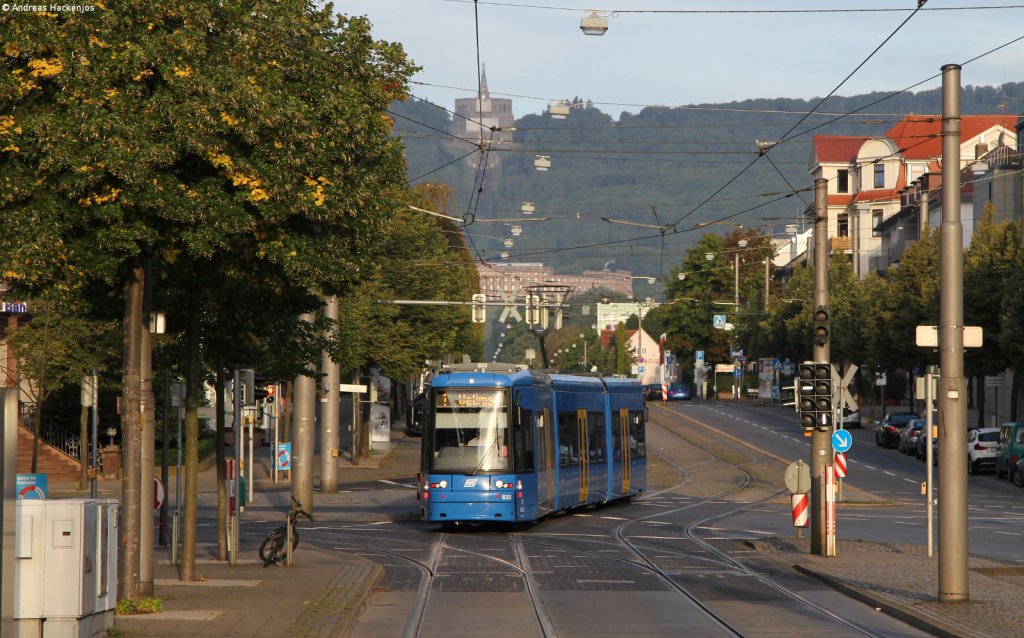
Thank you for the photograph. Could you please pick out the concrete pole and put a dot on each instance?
(820, 438)
(236, 429)
(8, 481)
(953, 574)
(303, 430)
(736, 281)
(330, 411)
(923, 207)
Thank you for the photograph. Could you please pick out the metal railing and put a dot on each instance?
(65, 442)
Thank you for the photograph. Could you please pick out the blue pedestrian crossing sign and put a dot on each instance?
(842, 441)
(718, 321)
(776, 365)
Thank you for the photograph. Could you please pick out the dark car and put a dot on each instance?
(908, 437)
(679, 391)
(888, 432)
(652, 391)
(417, 415)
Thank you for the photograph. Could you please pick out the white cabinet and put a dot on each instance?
(65, 567)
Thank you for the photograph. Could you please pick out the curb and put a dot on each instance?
(897, 611)
(337, 604)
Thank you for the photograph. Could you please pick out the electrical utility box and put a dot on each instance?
(65, 571)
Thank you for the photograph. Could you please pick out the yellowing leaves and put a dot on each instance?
(142, 75)
(318, 196)
(12, 148)
(11, 50)
(221, 160)
(97, 199)
(227, 119)
(258, 195)
(96, 42)
(7, 126)
(183, 72)
(46, 68)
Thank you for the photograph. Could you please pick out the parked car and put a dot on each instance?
(1010, 449)
(851, 419)
(417, 415)
(888, 432)
(1018, 473)
(921, 452)
(981, 449)
(679, 391)
(652, 391)
(908, 437)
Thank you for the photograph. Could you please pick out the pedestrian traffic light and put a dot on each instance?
(479, 309)
(805, 403)
(823, 395)
(822, 328)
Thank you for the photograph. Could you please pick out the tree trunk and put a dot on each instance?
(37, 431)
(131, 437)
(222, 492)
(83, 449)
(1014, 394)
(193, 379)
(285, 425)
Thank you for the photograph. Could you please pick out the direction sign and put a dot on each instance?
(842, 440)
(798, 477)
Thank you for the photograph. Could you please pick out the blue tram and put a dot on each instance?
(519, 445)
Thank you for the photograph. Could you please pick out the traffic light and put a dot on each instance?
(823, 395)
(805, 404)
(479, 309)
(822, 328)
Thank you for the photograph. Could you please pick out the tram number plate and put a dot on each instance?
(506, 497)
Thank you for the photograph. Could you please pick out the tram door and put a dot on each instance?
(547, 428)
(624, 437)
(584, 442)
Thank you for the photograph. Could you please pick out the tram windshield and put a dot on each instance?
(470, 431)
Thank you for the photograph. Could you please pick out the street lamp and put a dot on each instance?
(594, 24)
(542, 162)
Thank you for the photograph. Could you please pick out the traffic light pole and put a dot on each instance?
(820, 437)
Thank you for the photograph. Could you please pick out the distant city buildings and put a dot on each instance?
(514, 277)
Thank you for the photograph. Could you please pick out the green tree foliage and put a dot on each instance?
(253, 133)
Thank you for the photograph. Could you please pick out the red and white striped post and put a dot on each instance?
(664, 392)
(231, 485)
(840, 463)
(830, 511)
(800, 514)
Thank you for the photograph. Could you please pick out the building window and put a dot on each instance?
(843, 181)
(843, 225)
(876, 219)
(879, 175)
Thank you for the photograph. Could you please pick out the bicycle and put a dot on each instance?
(272, 549)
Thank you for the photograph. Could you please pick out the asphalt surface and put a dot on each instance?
(322, 593)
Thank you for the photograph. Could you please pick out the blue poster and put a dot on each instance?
(283, 457)
(31, 487)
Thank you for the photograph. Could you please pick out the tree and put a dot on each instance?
(56, 347)
(176, 128)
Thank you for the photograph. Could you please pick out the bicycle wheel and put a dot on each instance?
(272, 548)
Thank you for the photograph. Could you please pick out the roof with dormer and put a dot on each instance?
(919, 137)
(836, 148)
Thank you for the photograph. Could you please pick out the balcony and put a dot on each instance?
(841, 243)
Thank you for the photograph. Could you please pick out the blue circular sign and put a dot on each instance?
(842, 440)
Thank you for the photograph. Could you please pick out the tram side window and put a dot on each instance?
(637, 437)
(522, 441)
(568, 439)
(595, 437)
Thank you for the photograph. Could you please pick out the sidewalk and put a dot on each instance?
(317, 596)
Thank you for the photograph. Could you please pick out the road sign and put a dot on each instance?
(798, 477)
(158, 494)
(840, 462)
(700, 355)
(640, 369)
(668, 358)
(776, 365)
(840, 387)
(284, 457)
(718, 321)
(842, 440)
(737, 372)
(799, 502)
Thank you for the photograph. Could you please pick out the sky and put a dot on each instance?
(650, 57)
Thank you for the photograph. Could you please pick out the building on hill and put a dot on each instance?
(507, 278)
(871, 180)
(475, 117)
